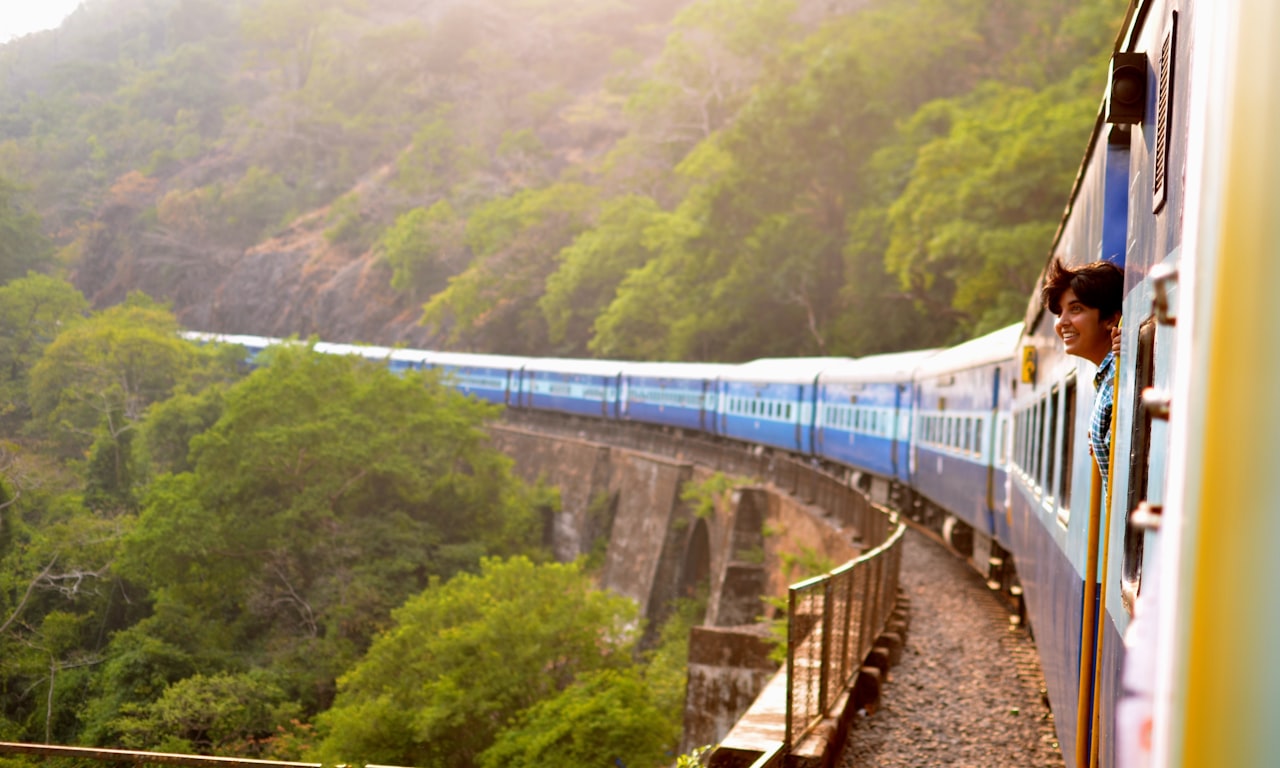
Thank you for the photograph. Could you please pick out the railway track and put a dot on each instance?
(969, 690)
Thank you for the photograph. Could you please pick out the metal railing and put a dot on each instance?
(80, 755)
(833, 622)
(74, 756)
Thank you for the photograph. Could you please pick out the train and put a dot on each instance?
(1151, 604)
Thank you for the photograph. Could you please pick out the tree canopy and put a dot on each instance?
(687, 179)
(467, 656)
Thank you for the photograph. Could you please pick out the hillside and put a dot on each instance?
(711, 179)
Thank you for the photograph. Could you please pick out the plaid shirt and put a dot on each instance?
(1100, 422)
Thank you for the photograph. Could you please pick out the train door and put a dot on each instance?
(990, 448)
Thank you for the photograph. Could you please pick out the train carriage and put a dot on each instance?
(672, 394)
(961, 432)
(495, 378)
(582, 387)
(771, 401)
(864, 415)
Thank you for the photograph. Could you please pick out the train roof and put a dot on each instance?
(469, 360)
(676, 370)
(244, 340)
(783, 370)
(577, 366)
(367, 351)
(995, 347)
(411, 355)
(893, 366)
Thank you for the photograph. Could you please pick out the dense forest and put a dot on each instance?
(709, 179)
(198, 557)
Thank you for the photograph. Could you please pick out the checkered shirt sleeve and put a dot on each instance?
(1100, 421)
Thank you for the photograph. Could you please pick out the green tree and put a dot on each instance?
(171, 424)
(607, 717)
(492, 305)
(33, 311)
(97, 378)
(467, 656)
(424, 248)
(970, 228)
(591, 269)
(221, 714)
(23, 245)
(328, 491)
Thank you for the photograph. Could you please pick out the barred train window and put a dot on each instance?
(1068, 441)
(1052, 445)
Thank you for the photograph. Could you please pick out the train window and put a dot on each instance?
(1028, 416)
(1140, 456)
(977, 435)
(965, 436)
(788, 411)
(1040, 444)
(1004, 441)
(1017, 438)
(1164, 115)
(1017, 421)
(1051, 445)
(1068, 445)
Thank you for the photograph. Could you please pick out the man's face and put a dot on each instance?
(1083, 333)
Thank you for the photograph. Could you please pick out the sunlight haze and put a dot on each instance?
(18, 19)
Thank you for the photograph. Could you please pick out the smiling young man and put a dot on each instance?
(1087, 301)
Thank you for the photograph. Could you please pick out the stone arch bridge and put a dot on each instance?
(652, 500)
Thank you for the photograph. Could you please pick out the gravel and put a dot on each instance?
(968, 690)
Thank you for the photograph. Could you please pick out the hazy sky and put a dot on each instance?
(19, 17)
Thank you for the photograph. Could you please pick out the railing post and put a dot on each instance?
(824, 679)
(791, 666)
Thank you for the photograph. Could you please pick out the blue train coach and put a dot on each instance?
(961, 436)
(672, 394)
(864, 413)
(771, 401)
(495, 378)
(582, 387)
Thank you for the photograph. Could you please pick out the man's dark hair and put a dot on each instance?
(1098, 285)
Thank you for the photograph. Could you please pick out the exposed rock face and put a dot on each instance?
(299, 284)
(294, 284)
